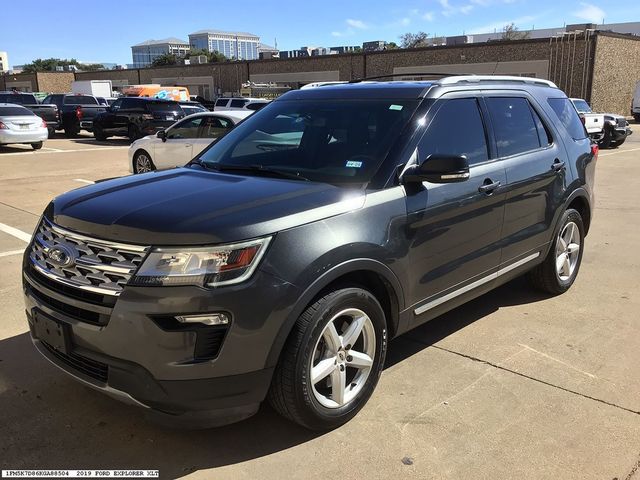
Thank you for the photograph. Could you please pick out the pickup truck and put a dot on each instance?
(49, 113)
(77, 111)
(614, 129)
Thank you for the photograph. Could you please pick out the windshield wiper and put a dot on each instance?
(260, 169)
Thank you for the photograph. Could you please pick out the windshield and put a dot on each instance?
(582, 106)
(8, 111)
(333, 141)
(163, 107)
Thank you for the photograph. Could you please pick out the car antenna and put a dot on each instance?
(418, 74)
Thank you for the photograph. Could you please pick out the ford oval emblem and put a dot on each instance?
(61, 255)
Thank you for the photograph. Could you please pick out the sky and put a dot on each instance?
(92, 31)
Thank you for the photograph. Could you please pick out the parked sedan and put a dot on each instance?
(182, 141)
(20, 125)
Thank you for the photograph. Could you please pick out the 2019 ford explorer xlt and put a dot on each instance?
(279, 262)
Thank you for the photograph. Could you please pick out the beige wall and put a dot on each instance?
(615, 74)
(55, 82)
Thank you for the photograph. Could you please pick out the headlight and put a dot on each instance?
(205, 266)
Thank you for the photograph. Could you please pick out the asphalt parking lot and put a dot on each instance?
(512, 385)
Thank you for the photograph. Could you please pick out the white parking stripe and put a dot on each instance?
(11, 252)
(25, 237)
(40, 152)
(82, 180)
(606, 154)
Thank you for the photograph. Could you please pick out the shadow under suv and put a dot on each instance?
(280, 261)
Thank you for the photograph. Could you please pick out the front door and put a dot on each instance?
(211, 128)
(455, 228)
(176, 151)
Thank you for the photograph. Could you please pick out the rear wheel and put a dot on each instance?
(71, 131)
(332, 360)
(36, 146)
(606, 140)
(133, 132)
(98, 133)
(636, 117)
(559, 270)
(52, 132)
(142, 162)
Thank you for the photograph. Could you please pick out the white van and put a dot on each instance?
(635, 104)
(239, 103)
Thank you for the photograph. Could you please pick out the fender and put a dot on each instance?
(578, 192)
(349, 266)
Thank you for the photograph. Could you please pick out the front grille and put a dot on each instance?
(96, 266)
(91, 368)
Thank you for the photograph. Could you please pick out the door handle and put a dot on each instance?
(557, 165)
(187, 145)
(488, 186)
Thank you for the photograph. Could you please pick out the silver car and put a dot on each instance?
(20, 125)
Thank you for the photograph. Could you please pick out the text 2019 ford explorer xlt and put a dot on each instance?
(279, 262)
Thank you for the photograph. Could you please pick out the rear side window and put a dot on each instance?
(238, 103)
(514, 125)
(566, 113)
(256, 106)
(80, 100)
(443, 135)
(221, 102)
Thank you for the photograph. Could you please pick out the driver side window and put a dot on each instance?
(116, 105)
(457, 129)
(186, 129)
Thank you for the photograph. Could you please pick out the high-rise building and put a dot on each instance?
(4, 62)
(146, 52)
(233, 45)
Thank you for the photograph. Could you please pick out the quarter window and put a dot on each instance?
(457, 129)
(568, 116)
(514, 125)
(238, 103)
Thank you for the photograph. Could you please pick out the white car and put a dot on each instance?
(224, 104)
(19, 125)
(182, 141)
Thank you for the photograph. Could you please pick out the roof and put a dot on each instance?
(222, 32)
(363, 90)
(163, 41)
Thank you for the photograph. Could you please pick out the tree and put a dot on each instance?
(511, 32)
(414, 40)
(212, 57)
(164, 60)
(51, 64)
(391, 46)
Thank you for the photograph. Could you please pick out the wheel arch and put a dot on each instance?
(579, 200)
(369, 274)
(135, 154)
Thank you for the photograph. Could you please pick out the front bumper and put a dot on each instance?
(620, 133)
(130, 349)
(27, 136)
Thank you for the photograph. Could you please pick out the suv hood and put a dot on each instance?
(188, 206)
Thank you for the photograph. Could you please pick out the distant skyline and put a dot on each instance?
(92, 32)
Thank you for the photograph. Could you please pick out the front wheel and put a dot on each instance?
(332, 360)
(36, 146)
(559, 270)
(142, 162)
(606, 139)
(98, 133)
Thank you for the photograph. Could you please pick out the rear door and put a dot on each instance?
(211, 128)
(455, 228)
(535, 164)
(176, 150)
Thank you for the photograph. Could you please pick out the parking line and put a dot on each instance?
(63, 151)
(11, 252)
(25, 237)
(82, 180)
(618, 151)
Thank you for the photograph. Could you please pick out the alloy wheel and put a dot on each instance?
(342, 358)
(143, 163)
(567, 251)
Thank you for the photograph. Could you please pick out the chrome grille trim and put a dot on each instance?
(101, 266)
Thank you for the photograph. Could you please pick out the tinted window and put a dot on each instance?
(117, 104)
(163, 107)
(8, 111)
(582, 106)
(256, 106)
(186, 129)
(333, 141)
(80, 100)
(213, 127)
(129, 103)
(55, 99)
(457, 129)
(238, 103)
(18, 98)
(566, 113)
(543, 132)
(221, 102)
(513, 124)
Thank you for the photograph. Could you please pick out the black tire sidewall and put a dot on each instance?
(135, 161)
(569, 215)
(316, 414)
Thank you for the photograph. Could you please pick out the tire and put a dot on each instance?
(314, 405)
(98, 133)
(548, 276)
(606, 140)
(636, 117)
(621, 141)
(133, 133)
(71, 131)
(36, 146)
(52, 132)
(142, 162)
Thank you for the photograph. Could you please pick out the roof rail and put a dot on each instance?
(496, 78)
(407, 74)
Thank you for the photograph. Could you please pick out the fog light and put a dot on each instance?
(206, 319)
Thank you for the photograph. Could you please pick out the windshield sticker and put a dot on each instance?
(395, 107)
(353, 164)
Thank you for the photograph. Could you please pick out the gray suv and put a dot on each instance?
(279, 262)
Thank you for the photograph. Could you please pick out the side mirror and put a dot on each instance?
(162, 135)
(439, 168)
